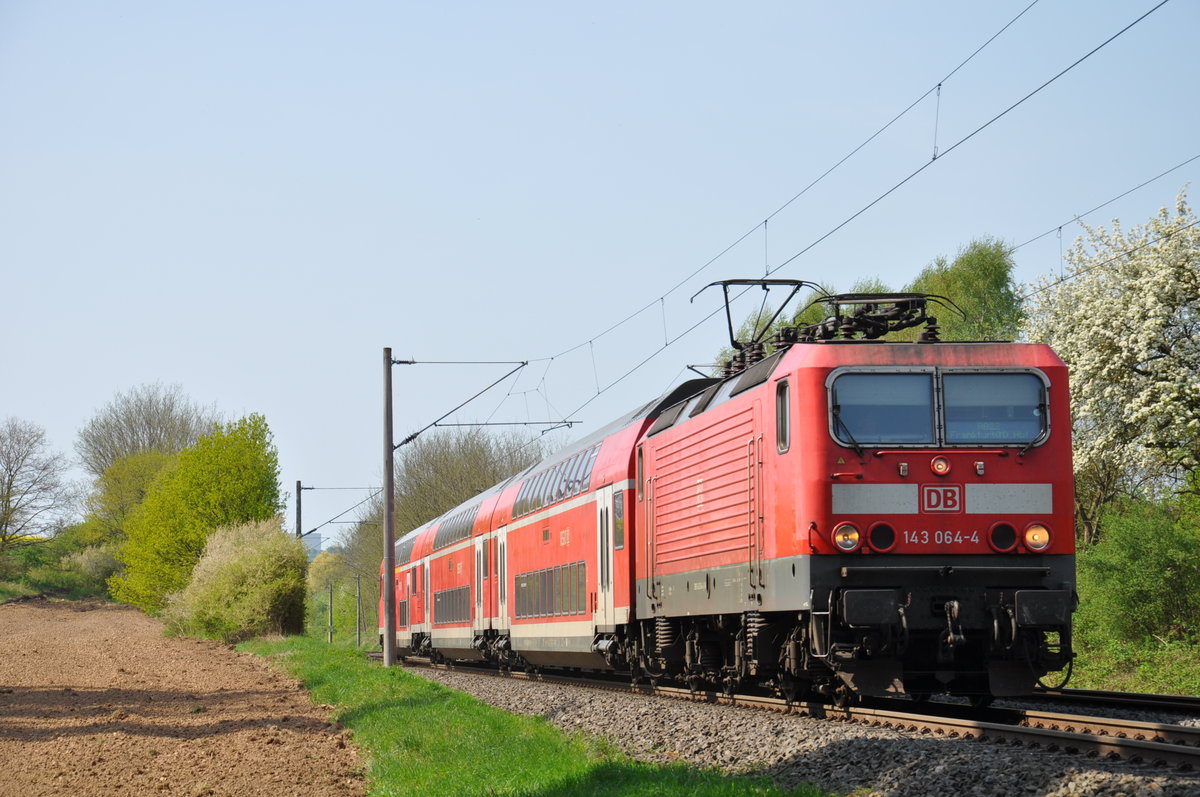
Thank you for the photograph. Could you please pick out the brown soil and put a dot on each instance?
(94, 700)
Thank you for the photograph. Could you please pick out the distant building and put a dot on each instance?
(312, 544)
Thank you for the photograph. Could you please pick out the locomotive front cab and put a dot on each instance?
(944, 559)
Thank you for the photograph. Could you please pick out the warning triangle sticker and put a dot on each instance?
(841, 461)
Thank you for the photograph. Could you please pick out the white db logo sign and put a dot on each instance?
(941, 498)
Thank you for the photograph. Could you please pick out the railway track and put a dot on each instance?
(1159, 744)
(1125, 700)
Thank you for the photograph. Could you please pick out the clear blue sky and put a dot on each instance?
(253, 199)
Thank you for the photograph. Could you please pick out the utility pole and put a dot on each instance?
(299, 532)
(389, 519)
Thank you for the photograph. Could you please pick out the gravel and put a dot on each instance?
(837, 756)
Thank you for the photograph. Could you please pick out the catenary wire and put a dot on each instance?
(969, 136)
(1118, 256)
(1079, 216)
(803, 190)
(342, 513)
(891, 190)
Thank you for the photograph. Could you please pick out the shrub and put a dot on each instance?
(1141, 582)
(249, 581)
(97, 562)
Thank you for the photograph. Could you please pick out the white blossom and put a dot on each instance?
(1125, 318)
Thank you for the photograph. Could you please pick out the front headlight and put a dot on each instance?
(1037, 537)
(847, 538)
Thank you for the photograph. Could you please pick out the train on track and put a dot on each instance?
(850, 515)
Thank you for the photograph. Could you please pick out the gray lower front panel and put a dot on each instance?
(779, 585)
(866, 590)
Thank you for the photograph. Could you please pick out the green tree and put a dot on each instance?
(980, 281)
(228, 477)
(119, 490)
(329, 567)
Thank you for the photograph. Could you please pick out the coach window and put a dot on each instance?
(575, 479)
(560, 481)
(591, 463)
(782, 417)
(618, 520)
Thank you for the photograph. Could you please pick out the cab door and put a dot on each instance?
(604, 617)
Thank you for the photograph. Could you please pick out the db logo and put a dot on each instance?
(941, 498)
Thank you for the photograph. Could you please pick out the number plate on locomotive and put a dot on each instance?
(940, 537)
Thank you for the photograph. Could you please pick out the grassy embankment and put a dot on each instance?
(11, 589)
(420, 738)
(1170, 668)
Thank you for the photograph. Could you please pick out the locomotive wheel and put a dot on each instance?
(980, 701)
(842, 696)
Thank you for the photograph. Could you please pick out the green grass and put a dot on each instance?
(1171, 668)
(421, 738)
(11, 589)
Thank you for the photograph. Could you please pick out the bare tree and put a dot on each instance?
(433, 476)
(144, 418)
(33, 493)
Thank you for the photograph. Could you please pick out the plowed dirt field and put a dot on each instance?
(95, 701)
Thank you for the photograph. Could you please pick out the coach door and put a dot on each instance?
(481, 584)
(500, 557)
(417, 601)
(603, 618)
(426, 594)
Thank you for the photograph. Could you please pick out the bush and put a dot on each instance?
(97, 562)
(1141, 582)
(249, 581)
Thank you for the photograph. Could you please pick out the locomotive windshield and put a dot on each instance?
(993, 408)
(906, 408)
(883, 408)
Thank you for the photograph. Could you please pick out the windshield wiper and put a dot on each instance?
(837, 419)
(1042, 410)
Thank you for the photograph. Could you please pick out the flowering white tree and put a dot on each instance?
(1126, 319)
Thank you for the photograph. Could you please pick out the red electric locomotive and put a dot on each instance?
(848, 516)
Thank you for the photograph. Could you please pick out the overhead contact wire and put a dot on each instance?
(970, 136)
(804, 190)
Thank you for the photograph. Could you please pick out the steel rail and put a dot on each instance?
(1158, 744)
(1133, 700)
